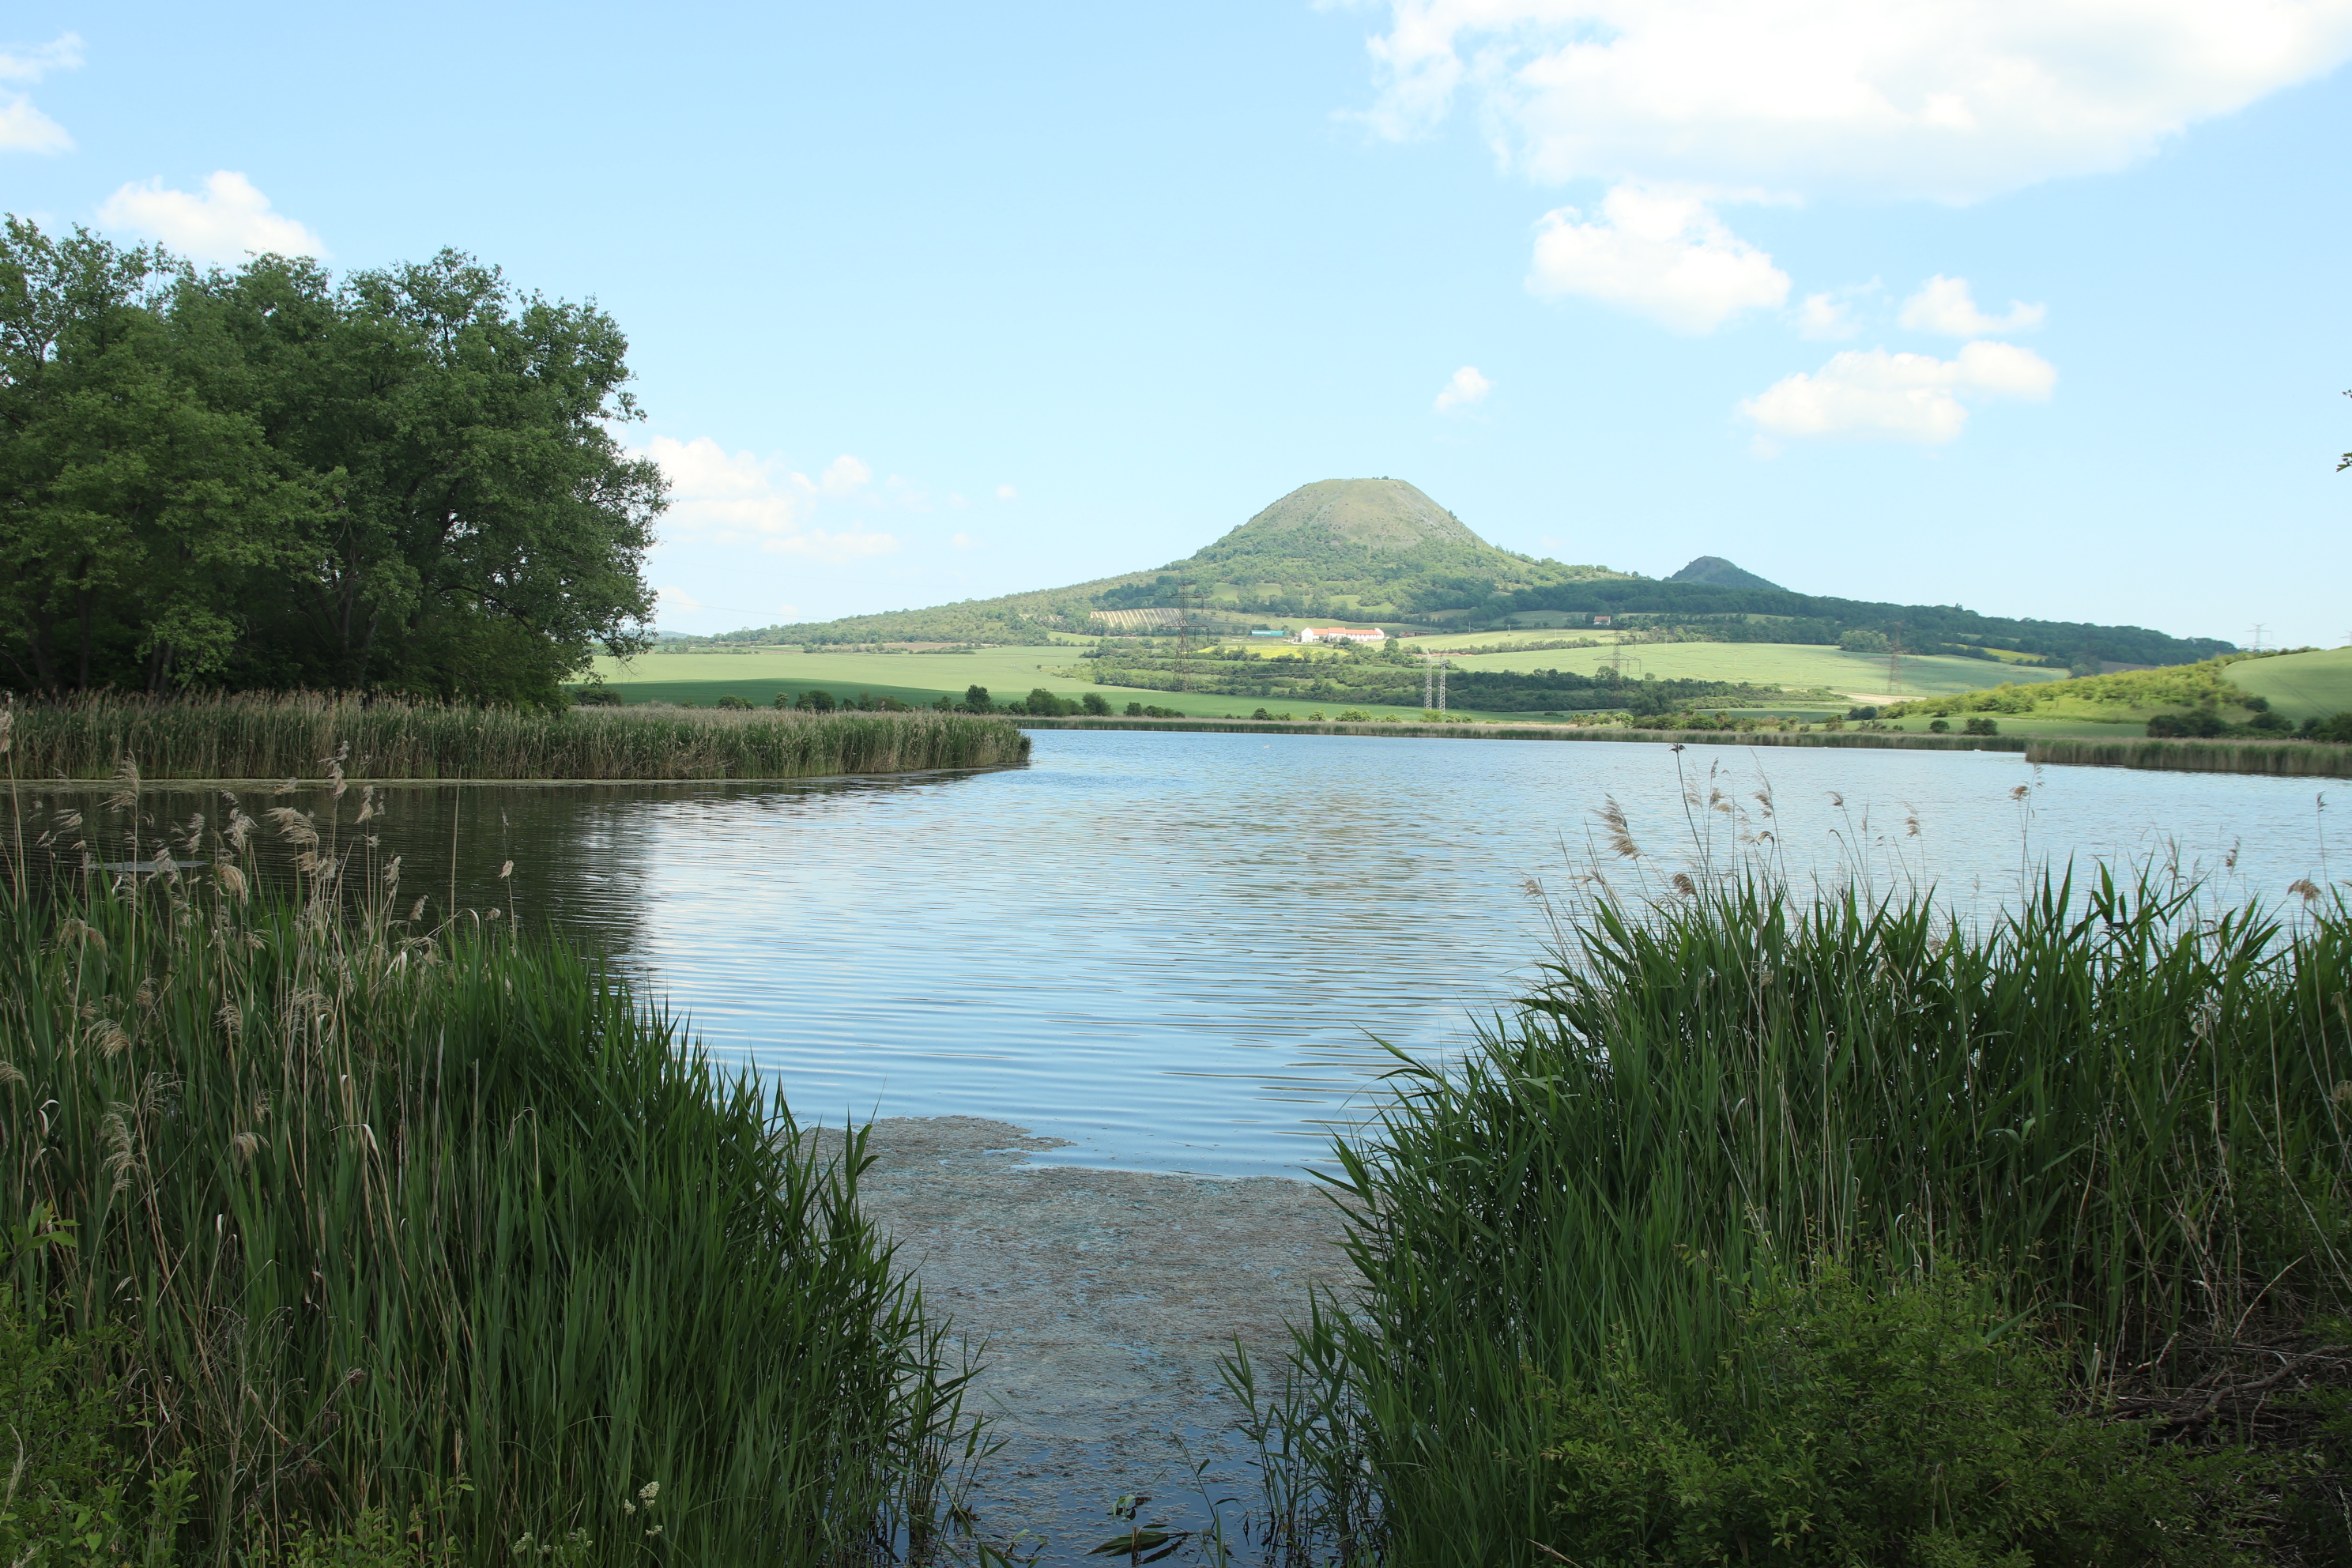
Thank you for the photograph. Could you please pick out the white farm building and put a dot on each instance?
(1341, 634)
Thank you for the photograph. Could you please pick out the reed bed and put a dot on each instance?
(282, 736)
(2282, 759)
(439, 1219)
(2135, 1123)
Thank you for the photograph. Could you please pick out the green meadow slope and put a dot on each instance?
(2300, 686)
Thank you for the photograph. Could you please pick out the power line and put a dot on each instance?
(2257, 630)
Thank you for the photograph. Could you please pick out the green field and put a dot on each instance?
(1009, 673)
(1799, 666)
(2300, 685)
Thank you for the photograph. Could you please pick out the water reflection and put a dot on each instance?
(1174, 950)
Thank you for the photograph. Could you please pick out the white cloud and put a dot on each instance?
(1005, 493)
(844, 474)
(1659, 255)
(1823, 316)
(1466, 388)
(732, 494)
(1901, 396)
(1956, 100)
(732, 498)
(962, 541)
(23, 127)
(228, 220)
(675, 601)
(834, 549)
(1943, 305)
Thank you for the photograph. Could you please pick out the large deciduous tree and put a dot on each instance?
(405, 481)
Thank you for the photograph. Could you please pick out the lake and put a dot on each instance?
(1177, 950)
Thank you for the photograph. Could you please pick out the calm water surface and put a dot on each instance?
(1174, 950)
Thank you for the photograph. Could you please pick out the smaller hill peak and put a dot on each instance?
(1718, 573)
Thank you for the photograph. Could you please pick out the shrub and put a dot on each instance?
(733, 703)
(1939, 726)
(1354, 716)
(1046, 705)
(1135, 710)
(1862, 715)
(2335, 728)
(816, 700)
(2202, 724)
(1260, 713)
(595, 697)
(2119, 1104)
(1980, 725)
(1093, 703)
(1900, 1426)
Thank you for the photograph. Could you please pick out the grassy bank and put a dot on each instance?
(1864, 740)
(1781, 1231)
(2288, 759)
(296, 736)
(448, 1221)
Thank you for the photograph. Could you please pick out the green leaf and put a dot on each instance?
(1139, 1540)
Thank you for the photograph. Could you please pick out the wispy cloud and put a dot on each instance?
(1466, 389)
(1657, 254)
(229, 220)
(1955, 103)
(1899, 396)
(23, 127)
(1945, 305)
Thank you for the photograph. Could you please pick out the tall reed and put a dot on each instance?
(2139, 1120)
(278, 736)
(388, 1208)
(2289, 759)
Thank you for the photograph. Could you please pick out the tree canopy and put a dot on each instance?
(406, 481)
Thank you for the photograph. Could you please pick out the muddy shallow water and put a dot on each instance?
(1099, 1303)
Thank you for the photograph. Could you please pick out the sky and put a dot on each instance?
(2034, 306)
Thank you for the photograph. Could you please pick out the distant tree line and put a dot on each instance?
(1391, 679)
(402, 481)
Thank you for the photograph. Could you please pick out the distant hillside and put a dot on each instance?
(1714, 571)
(1372, 550)
(1379, 551)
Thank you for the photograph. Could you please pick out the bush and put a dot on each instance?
(1135, 710)
(1896, 1426)
(595, 697)
(1939, 726)
(1980, 726)
(816, 700)
(1354, 716)
(1260, 713)
(733, 703)
(2200, 723)
(1046, 705)
(1862, 715)
(2335, 728)
(1093, 703)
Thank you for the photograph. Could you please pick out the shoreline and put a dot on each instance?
(1861, 739)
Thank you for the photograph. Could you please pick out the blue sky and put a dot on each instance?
(2038, 308)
